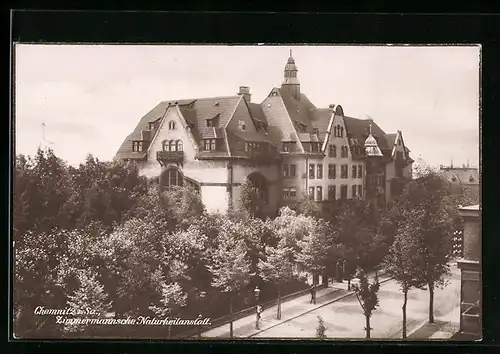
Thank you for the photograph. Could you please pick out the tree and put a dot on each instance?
(277, 269)
(366, 294)
(315, 248)
(230, 269)
(172, 298)
(432, 225)
(321, 329)
(89, 301)
(401, 262)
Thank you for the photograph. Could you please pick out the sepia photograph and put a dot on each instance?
(208, 192)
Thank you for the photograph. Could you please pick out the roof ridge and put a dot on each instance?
(201, 98)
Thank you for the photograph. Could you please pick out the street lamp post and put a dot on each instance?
(256, 292)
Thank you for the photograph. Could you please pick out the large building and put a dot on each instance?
(462, 180)
(284, 145)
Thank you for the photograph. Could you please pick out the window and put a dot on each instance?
(319, 193)
(293, 170)
(343, 192)
(151, 125)
(315, 131)
(332, 171)
(341, 131)
(332, 191)
(311, 192)
(137, 146)
(210, 122)
(311, 170)
(241, 125)
(320, 171)
(286, 193)
(343, 171)
(360, 171)
(179, 145)
(171, 125)
(165, 145)
(471, 179)
(171, 177)
(360, 191)
(285, 171)
(332, 151)
(210, 144)
(353, 192)
(171, 145)
(399, 142)
(293, 193)
(354, 169)
(344, 151)
(335, 131)
(286, 147)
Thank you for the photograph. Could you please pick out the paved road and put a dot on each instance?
(344, 318)
(245, 327)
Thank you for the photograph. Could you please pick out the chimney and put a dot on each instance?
(331, 107)
(245, 91)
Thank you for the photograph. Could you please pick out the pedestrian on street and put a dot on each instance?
(311, 290)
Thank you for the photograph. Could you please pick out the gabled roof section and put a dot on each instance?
(391, 139)
(125, 150)
(299, 111)
(195, 112)
(359, 129)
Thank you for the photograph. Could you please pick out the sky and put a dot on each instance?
(90, 97)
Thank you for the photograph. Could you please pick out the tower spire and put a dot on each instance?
(291, 83)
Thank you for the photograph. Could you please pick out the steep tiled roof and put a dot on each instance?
(299, 111)
(256, 112)
(359, 129)
(195, 111)
(461, 175)
(391, 139)
(125, 150)
(320, 118)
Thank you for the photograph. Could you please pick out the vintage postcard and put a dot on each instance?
(233, 192)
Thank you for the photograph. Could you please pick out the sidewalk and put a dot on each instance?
(245, 327)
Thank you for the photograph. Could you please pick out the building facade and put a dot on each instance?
(470, 267)
(462, 180)
(285, 145)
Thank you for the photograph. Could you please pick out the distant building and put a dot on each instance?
(470, 266)
(462, 180)
(284, 145)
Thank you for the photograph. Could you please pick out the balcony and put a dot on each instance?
(170, 157)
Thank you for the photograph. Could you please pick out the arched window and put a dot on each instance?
(171, 144)
(179, 145)
(171, 177)
(165, 145)
(171, 125)
(334, 131)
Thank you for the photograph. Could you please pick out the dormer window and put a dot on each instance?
(209, 144)
(316, 131)
(471, 179)
(210, 123)
(171, 125)
(241, 125)
(137, 146)
(151, 125)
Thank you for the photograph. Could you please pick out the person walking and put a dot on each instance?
(311, 291)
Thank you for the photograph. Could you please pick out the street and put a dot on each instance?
(344, 318)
